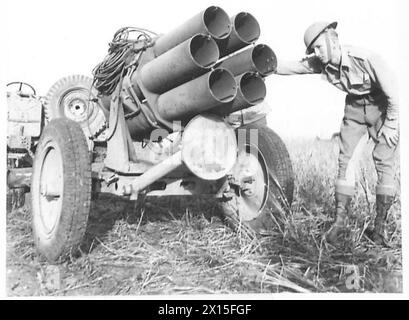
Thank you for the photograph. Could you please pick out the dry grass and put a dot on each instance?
(183, 247)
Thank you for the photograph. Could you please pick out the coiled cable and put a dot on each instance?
(121, 53)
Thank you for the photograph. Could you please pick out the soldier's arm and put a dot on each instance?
(309, 65)
(386, 81)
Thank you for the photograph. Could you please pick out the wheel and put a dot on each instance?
(259, 190)
(60, 189)
(71, 97)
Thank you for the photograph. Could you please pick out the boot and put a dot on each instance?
(343, 203)
(383, 204)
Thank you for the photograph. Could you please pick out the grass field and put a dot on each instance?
(183, 247)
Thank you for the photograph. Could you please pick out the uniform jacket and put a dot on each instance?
(361, 73)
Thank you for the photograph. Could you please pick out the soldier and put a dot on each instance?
(371, 106)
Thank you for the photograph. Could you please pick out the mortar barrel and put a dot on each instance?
(251, 90)
(260, 59)
(212, 89)
(186, 61)
(245, 31)
(213, 21)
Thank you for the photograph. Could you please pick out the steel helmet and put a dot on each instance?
(314, 31)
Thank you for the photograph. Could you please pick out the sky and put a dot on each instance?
(43, 41)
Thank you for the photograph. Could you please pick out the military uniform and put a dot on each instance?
(371, 99)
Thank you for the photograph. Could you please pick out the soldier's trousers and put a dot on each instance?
(364, 115)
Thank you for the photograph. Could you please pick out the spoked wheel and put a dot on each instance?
(260, 185)
(60, 189)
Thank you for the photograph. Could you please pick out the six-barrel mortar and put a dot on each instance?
(166, 103)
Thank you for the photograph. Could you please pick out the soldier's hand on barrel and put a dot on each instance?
(390, 131)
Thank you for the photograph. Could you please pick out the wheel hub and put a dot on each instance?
(76, 106)
(51, 188)
(250, 178)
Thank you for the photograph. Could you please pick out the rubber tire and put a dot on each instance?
(279, 165)
(54, 110)
(76, 194)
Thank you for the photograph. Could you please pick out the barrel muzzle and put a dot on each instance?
(251, 90)
(212, 21)
(260, 58)
(245, 31)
